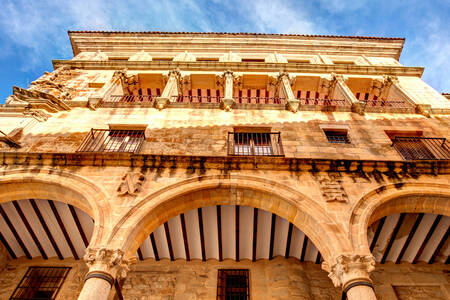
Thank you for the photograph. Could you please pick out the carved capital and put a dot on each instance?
(110, 261)
(350, 268)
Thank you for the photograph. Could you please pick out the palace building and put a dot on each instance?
(175, 165)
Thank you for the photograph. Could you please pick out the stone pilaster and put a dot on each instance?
(170, 90)
(105, 266)
(351, 272)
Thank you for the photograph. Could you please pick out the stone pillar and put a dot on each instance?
(170, 90)
(351, 272)
(105, 266)
(227, 80)
(342, 88)
(424, 109)
(292, 104)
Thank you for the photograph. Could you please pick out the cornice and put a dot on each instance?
(241, 67)
(225, 163)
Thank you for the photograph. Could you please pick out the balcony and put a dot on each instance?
(255, 144)
(196, 99)
(259, 100)
(422, 148)
(323, 104)
(108, 140)
(376, 105)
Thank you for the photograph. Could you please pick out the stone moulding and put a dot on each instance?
(228, 163)
(241, 67)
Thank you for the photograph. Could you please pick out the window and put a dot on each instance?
(232, 284)
(253, 60)
(109, 140)
(337, 136)
(341, 62)
(41, 283)
(162, 59)
(299, 61)
(118, 58)
(255, 143)
(412, 145)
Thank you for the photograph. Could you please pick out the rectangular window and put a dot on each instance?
(342, 62)
(207, 59)
(108, 140)
(41, 283)
(233, 284)
(255, 144)
(253, 60)
(337, 136)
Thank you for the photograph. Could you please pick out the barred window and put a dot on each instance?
(255, 143)
(108, 140)
(41, 283)
(337, 136)
(232, 284)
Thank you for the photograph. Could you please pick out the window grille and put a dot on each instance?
(41, 283)
(337, 136)
(422, 148)
(105, 140)
(232, 284)
(255, 143)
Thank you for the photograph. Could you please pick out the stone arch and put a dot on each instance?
(159, 207)
(57, 185)
(395, 198)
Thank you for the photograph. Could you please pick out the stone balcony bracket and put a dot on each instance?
(227, 103)
(293, 105)
(161, 103)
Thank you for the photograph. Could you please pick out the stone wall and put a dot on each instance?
(277, 279)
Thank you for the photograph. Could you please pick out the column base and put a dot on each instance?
(161, 103)
(227, 103)
(293, 105)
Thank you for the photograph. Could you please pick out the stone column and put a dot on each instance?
(170, 90)
(227, 101)
(292, 104)
(342, 88)
(105, 266)
(351, 272)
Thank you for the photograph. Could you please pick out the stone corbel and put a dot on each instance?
(285, 89)
(349, 269)
(357, 106)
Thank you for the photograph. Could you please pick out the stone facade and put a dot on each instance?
(332, 192)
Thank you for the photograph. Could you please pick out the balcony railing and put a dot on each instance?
(196, 99)
(105, 140)
(422, 148)
(387, 104)
(323, 102)
(259, 100)
(127, 100)
(255, 144)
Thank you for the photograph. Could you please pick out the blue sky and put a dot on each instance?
(33, 32)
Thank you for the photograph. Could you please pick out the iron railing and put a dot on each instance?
(233, 284)
(106, 140)
(117, 100)
(336, 137)
(422, 148)
(259, 100)
(196, 99)
(41, 283)
(323, 102)
(255, 144)
(387, 103)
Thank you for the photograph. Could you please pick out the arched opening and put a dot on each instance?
(159, 208)
(44, 228)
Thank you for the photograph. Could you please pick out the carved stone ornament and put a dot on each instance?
(111, 261)
(332, 189)
(350, 268)
(131, 184)
(129, 83)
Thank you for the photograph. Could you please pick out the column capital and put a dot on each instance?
(349, 269)
(109, 261)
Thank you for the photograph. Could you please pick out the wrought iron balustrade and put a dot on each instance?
(106, 140)
(126, 100)
(323, 102)
(259, 100)
(422, 148)
(196, 99)
(255, 144)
